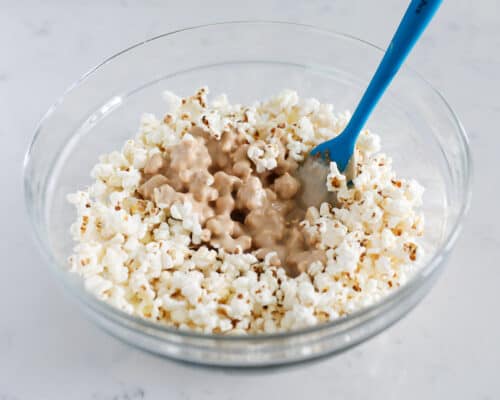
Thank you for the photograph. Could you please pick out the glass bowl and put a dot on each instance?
(248, 61)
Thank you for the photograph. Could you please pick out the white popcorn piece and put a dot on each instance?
(335, 181)
(306, 294)
(332, 233)
(264, 155)
(215, 123)
(114, 260)
(98, 286)
(239, 308)
(173, 101)
(309, 106)
(383, 265)
(368, 143)
(287, 99)
(305, 130)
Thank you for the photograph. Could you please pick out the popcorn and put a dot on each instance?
(173, 101)
(306, 293)
(332, 232)
(297, 149)
(129, 179)
(323, 282)
(192, 292)
(214, 122)
(335, 181)
(299, 317)
(263, 155)
(98, 286)
(383, 265)
(113, 260)
(102, 171)
(286, 100)
(153, 260)
(239, 307)
(305, 130)
(414, 192)
(309, 106)
(368, 143)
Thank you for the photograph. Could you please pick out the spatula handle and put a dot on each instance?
(415, 20)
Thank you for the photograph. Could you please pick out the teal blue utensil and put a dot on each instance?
(341, 148)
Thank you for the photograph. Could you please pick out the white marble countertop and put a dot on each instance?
(448, 347)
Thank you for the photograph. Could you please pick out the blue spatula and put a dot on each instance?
(341, 148)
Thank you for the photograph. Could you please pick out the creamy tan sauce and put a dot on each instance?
(239, 209)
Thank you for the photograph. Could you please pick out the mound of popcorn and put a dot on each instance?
(170, 229)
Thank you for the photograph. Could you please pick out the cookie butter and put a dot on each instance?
(239, 209)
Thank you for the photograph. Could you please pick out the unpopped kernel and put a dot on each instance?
(162, 234)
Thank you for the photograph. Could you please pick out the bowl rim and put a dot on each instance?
(414, 283)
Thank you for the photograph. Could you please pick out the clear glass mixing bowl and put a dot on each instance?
(248, 61)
